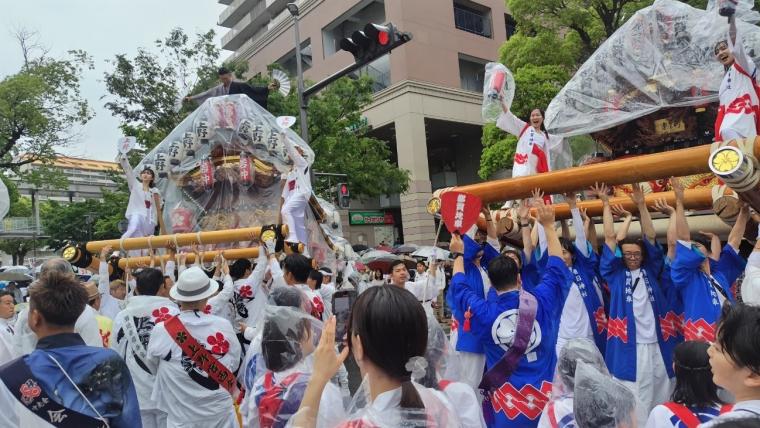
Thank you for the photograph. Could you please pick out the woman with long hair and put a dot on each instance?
(144, 207)
(387, 336)
(695, 397)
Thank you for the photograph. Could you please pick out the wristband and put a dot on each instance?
(455, 255)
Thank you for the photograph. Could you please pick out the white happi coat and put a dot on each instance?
(132, 328)
(183, 391)
(7, 352)
(25, 341)
(532, 155)
(739, 104)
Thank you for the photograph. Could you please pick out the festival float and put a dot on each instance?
(649, 98)
(220, 174)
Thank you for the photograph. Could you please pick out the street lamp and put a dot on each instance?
(295, 12)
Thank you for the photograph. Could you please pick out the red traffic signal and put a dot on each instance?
(344, 197)
(380, 33)
(343, 189)
(375, 41)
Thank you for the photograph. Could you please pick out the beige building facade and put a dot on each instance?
(427, 101)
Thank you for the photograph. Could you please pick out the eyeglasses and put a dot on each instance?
(632, 255)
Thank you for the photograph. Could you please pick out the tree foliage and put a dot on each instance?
(41, 106)
(20, 207)
(554, 38)
(143, 91)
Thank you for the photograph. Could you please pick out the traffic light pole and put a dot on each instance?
(301, 97)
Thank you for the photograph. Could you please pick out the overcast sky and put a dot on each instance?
(103, 28)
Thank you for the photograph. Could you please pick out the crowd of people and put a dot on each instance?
(628, 332)
(655, 332)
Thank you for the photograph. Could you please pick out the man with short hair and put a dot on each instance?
(118, 289)
(7, 310)
(64, 382)
(194, 355)
(229, 86)
(132, 330)
(24, 339)
(327, 288)
(518, 385)
(295, 273)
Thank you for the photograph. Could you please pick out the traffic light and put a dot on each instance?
(374, 42)
(344, 197)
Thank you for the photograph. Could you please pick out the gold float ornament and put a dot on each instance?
(434, 205)
(70, 253)
(726, 160)
(268, 235)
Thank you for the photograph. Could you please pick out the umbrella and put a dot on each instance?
(14, 276)
(359, 247)
(378, 259)
(429, 251)
(405, 249)
(384, 248)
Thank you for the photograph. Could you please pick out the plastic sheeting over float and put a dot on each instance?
(662, 57)
(221, 168)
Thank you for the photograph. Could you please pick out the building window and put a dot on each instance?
(353, 20)
(288, 61)
(473, 18)
(511, 25)
(471, 73)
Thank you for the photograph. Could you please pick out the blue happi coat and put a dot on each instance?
(585, 275)
(698, 291)
(467, 341)
(520, 400)
(621, 351)
(100, 373)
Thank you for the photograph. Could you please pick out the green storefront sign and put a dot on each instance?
(358, 218)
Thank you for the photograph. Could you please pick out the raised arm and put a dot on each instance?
(509, 122)
(581, 243)
(626, 216)
(715, 245)
(682, 226)
(523, 216)
(128, 171)
(545, 216)
(298, 159)
(647, 226)
(737, 232)
(610, 239)
(590, 226)
(490, 225)
(662, 206)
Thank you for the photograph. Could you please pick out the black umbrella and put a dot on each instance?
(359, 247)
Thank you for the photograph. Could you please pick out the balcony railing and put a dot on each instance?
(472, 22)
(18, 225)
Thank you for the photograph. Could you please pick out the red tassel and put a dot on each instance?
(467, 316)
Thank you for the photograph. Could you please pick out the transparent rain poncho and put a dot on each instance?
(601, 401)
(661, 57)
(283, 367)
(221, 168)
(575, 352)
(498, 88)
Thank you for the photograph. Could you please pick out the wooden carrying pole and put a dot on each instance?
(674, 163)
(181, 239)
(694, 199)
(208, 256)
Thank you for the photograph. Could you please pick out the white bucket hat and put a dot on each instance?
(193, 285)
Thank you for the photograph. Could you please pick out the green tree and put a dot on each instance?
(143, 91)
(41, 106)
(20, 207)
(554, 38)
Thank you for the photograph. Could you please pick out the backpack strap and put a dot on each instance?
(683, 413)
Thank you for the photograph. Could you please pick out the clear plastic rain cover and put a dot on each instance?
(221, 168)
(662, 57)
